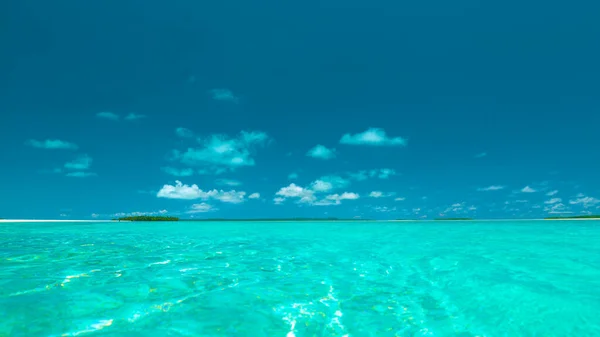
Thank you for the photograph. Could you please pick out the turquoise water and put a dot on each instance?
(538, 278)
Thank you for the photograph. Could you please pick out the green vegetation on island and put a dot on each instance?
(148, 218)
(574, 217)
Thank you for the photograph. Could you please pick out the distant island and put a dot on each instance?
(172, 218)
(573, 217)
(148, 218)
(453, 219)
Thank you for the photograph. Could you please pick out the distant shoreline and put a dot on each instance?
(291, 220)
(28, 220)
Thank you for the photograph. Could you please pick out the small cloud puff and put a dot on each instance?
(133, 117)
(293, 176)
(321, 152)
(491, 188)
(254, 196)
(328, 183)
(400, 199)
(228, 182)
(223, 95)
(108, 115)
(383, 173)
(481, 155)
(219, 152)
(321, 186)
(82, 162)
(178, 172)
(294, 191)
(528, 189)
(80, 174)
(553, 201)
(51, 144)
(336, 199)
(379, 194)
(373, 137)
(551, 193)
(384, 209)
(307, 195)
(585, 201)
(201, 208)
(187, 192)
(184, 133)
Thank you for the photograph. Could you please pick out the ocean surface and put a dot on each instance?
(523, 278)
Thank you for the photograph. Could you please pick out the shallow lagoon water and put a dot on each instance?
(521, 278)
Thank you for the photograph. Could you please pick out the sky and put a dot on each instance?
(268, 109)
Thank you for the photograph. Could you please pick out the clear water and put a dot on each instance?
(539, 278)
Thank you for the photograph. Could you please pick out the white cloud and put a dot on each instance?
(384, 209)
(201, 208)
(184, 133)
(379, 194)
(228, 182)
(383, 173)
(187, 192)
(133, 117)
(400, 199)
(52, 144)
(528, 189)
(551, 193)
(223, 95)
(308, 195)
(481, 155)
(220, 152)
(181, 191)
(455, 208)
(123, 214)
(343, 196)
(336, 199)
(560, 212)
(187, 172)
(376, 194)
(328, 183)
(293, 176)
(233, 197)
(321, 152)
(294, 191)
(522, 201)
(362, 175)
(359, 176)
(491, 188)
(254, 196)
(557, 208)
(82, 162)
(321, 186)
(373, 137)
(584, 201)
(553, 201)
(94, 215)
(80, 174)
(108, 115)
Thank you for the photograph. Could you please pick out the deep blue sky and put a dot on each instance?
(470, 95)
